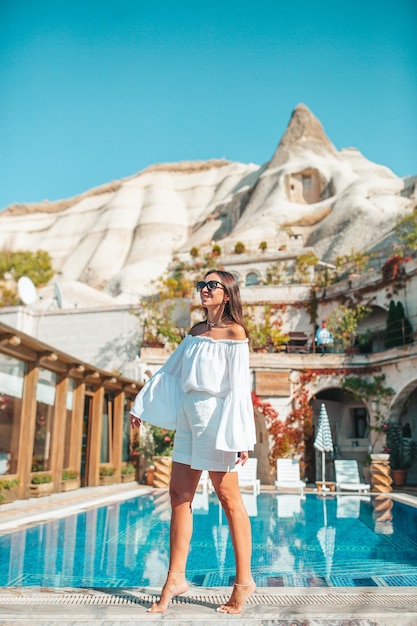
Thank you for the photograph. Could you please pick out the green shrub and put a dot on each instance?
(239, 247)
(69, 475)
(105, 470)
(128, 469)
(41, 479)
(7, 484)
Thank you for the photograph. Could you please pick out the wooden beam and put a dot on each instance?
(19, 351)
(10, 339)
(118, 417)
(94, 439)
(57, 444)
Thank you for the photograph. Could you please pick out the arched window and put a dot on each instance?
(252, 279)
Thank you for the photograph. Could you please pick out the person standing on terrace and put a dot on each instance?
(324, 338)
(203, 392)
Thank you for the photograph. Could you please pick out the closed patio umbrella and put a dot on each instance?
(323, 441)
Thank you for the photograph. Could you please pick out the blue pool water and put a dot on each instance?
(344, 541)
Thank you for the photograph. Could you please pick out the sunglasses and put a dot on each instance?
(211, 285)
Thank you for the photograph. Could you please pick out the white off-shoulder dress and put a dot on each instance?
(203, 392)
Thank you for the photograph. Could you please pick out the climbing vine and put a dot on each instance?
(289, 436)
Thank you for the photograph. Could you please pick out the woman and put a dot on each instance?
(203, 391)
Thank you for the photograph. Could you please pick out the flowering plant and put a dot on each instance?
(158, 324)
(393, 267)
(163, 441)
(343, 323)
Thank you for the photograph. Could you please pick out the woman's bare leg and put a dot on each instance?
(227, 489)
(184, 481)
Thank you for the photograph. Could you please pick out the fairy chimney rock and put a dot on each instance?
(304, 132)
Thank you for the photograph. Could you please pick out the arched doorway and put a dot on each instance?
(349, 421)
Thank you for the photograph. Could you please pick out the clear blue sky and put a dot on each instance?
(96, 90)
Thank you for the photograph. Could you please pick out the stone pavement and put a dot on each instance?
(373, 606)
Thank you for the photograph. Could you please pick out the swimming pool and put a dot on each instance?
(340, 541)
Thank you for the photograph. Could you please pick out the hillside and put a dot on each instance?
(120, 236)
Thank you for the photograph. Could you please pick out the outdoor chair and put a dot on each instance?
(247, 475)
(288, 475)
(347, 476)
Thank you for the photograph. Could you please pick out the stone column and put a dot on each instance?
(381, 473)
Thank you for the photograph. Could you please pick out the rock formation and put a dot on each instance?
(121, 236)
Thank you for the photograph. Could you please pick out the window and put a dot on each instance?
(68, 423)
(252, 279)
(12, 372)
(45, 412)
(306, 183)
(107, 428)
(126, 429)
(360, 420)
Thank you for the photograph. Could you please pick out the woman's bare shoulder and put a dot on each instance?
(236, 332)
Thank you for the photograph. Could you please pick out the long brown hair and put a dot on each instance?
(233, 307)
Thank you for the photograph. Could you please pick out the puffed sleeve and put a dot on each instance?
(159, 400)
(237, 425)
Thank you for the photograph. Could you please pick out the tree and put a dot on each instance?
(35, 265)
(398, 329)
(13, 265)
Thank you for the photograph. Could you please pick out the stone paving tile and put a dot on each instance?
(267, 607)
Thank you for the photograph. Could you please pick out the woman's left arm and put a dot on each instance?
(237, 426)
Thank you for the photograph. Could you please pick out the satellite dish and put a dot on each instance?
(58, 295)
(26, 290)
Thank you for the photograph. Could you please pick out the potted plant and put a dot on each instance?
(162, 455)
(402, 451)
(150, 474)
(41, 485)
(8, 489)
(70, 480)
(128, 473)
(239, 247)
(107, 475)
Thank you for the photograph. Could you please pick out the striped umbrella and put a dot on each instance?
(323, 442)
